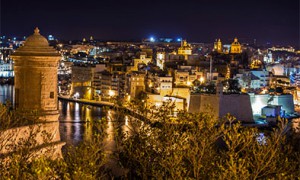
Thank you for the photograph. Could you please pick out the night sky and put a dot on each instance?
(272, 21)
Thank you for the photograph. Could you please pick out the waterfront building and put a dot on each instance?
(110, 85)
(135, 83)
(6, 69)
(82, 78)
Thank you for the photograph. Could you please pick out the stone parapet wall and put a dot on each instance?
(38, 139)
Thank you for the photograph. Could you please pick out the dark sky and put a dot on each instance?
(271, 21)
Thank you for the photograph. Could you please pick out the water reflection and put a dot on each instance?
(7, 93)
(74, 121)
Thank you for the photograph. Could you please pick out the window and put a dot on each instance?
(52, 95)
(17, 96)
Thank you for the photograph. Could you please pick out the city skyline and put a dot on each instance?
(273, 22)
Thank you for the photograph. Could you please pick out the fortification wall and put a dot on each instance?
(238, 105)
(40, 139)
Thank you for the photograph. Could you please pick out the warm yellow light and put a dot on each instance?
(150, 85)
(128, 98)
(264, 91)
(189, 83)
(157, 104)
(201, 80)
(111, 93)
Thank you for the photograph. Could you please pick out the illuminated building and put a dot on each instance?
(111, 85)
(6, 69)
(288, 49)
(218, 46)
(135, 84)
(256, 64)
(276, 69)
(248, 81)
(186, 75)
(166, 85)
(50, 38)
(259, 101)
(181, 77)
(36, 77)
(235, 47)
(268, 58)
(227, 76)
(160, 60)
(143, 60)
(185, 49)
(82, 77)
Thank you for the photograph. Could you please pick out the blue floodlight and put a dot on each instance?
(152, 39)
(178, 39)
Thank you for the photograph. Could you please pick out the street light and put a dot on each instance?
(76, 95)
(111, 93)
(201, 80)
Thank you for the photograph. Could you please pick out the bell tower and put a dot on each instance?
(35, 68)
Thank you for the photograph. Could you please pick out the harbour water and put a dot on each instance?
(75, 118)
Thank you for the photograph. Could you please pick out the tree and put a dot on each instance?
(188, 146)
(198, 146)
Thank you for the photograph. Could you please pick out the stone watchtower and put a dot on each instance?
(35, 68)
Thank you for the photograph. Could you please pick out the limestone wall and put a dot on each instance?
(194, 103)
(42, 138)
(210, 103)
(237, 105)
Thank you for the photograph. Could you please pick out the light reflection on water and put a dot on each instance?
(75, 117)
(7, 93)
(75, 121)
